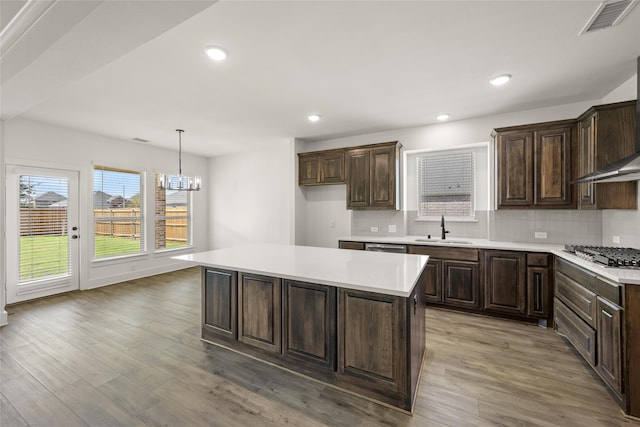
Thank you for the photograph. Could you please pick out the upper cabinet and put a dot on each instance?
(606, 133)
(372, 175)
(321, 167)
(533, 165)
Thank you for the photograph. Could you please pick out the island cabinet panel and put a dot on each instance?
(259, 311)
(309, 323)
(219, 295)
(372, 345)
(505, 281)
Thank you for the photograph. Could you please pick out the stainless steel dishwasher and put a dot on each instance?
(383, 247)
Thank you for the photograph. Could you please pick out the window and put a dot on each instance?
(117, 212)
(173, 218)
(446, 185)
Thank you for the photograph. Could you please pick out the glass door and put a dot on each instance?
(42, 232)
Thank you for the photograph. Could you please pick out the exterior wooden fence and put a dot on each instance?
(53, 222)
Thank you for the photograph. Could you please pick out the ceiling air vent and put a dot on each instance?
(144, 141)
(608, 14)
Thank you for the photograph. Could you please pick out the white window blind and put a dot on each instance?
(172, 218)
(118, 212)
(44, 246)
(446, 185)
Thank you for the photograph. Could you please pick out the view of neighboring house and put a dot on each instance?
(101, 200)
(177, 198)
(47, 199)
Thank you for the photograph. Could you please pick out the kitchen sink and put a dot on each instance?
(445, 242)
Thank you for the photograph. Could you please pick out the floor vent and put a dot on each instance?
(608, 14)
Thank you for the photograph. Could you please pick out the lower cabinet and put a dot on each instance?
(368, 343)
(259, 313)
(609, 321)
(309, 324)
(505, 281)
(433, 280)
(461, 284)
(588, 315)
(219, 292)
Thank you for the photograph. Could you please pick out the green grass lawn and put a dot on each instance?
(45, 256)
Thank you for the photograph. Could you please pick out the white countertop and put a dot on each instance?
(619, 275)
(386, 273)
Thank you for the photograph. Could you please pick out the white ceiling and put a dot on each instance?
(130, 69)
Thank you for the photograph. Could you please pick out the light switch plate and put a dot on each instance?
(374, 229)
(541, 234)
(616, 239)
(392, 228)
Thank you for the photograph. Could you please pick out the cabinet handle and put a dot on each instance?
(537, 277)
(606, 313)
(415, 303)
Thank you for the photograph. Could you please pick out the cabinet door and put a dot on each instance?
(433, 280)
(505, 281)
(515, 169)
(308, 169)
(309, 323)
(552, 167)
(586, 141)
(332, 168)
(372, 340)
(538, 293)
(461, 284)
(219, 303)
(358, 178)
(259, 311)
(609, 331)
(383, 177)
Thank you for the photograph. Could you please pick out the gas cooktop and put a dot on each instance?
(607, 255)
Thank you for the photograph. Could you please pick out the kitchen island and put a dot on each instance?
(351, 319)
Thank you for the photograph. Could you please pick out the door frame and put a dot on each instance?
(56, 285)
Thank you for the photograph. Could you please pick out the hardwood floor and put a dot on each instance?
(130, 355)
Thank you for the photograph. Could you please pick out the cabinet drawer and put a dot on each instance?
(579, 334)
(455, 254)
(608, 290)
(537, 260)
(579, 275)
(581, 300)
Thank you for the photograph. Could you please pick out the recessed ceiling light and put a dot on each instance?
(500, 80)
(216, 53)
(314, 117)
(444, 116)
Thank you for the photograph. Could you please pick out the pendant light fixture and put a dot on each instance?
(179, 182)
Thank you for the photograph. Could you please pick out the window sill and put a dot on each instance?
(447, 219)
(171, 251)
(119, 259)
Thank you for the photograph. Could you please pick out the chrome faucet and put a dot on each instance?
(444, 232)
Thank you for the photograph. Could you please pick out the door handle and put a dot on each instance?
(75, 236)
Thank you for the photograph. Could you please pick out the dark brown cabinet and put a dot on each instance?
(372, 176)
(609, 327)
(321, 167)
(606, 133)
(259, 311)
(505, 281)
(358, 246)
(534, 165)
(451, 275)
(219, 293)
(589, 313)
(309, 322)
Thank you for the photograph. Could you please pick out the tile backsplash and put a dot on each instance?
(560, 226)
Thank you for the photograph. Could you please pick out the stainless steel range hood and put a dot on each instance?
(627, 169)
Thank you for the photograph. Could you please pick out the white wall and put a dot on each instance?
(325, 208)
(252, 197)
(3, 312)
(41, 145)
